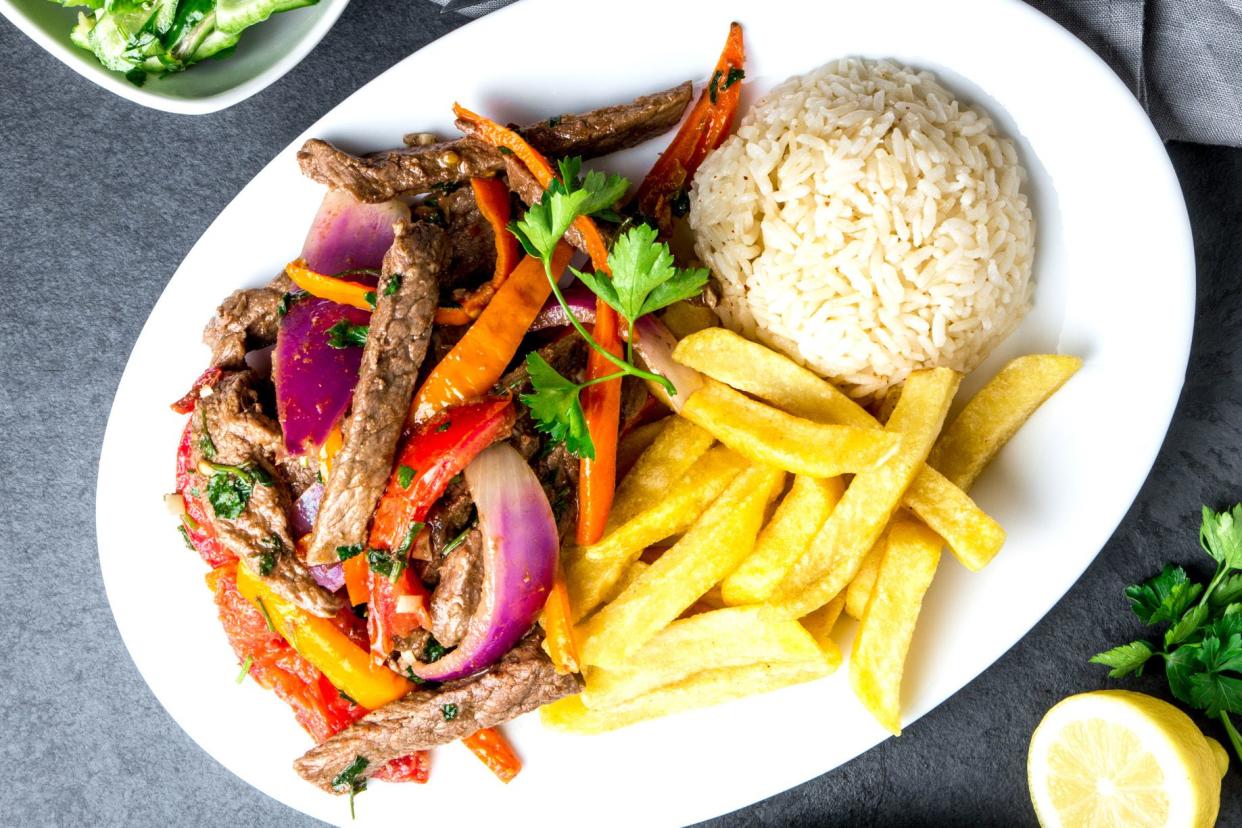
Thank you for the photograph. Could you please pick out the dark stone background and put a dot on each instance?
(100, 200)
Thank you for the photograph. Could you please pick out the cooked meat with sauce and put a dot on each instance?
(230, 431)
(457, 593)
(248, 319)
(521, 681)
(411, 170)
(395, 346)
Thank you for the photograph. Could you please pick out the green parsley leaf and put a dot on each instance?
(347, 552)
(1228, 591)
(1186, 625)
(644, 278)
(369, 296)
(1209, 688)
(245, 669)
(393, 284)
(444, 426)
(405, 476)
(555, 407)
(228, 493)
(448, 711)
(433, 650)
(385, 564)
(1221, 535)
(713, 86)
(410, 534)
(345, 335)
(1126, 659)
(1164, 597)
(185, 536)
(563, 201)
(735, 75)
(272, 546)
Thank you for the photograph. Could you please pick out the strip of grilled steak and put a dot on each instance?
(472, 245)
(248, 319)
(241, 434)
(396, 344)
(520, 682)
(457, 595)
(410, 170)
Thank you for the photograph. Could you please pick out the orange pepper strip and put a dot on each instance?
(703, 131)
(329, 287)
(492, 197)
(490, 745)
(597, 479)
(356, 585)
(327, 648)
(479, 358)
(558, 628)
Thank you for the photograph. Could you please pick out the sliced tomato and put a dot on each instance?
(208, 379)
(198, 527)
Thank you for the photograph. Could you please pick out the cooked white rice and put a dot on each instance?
(867, 223)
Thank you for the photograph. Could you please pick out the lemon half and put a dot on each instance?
(1117, 758)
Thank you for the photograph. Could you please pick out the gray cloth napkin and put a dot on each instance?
(1181, 58)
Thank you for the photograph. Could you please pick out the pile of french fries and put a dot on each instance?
(770, 505)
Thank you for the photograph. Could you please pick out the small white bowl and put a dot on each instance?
(266, 52)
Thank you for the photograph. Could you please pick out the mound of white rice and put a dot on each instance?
(868, 224)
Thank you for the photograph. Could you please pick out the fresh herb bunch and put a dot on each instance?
(1202, 645)
(643, 280)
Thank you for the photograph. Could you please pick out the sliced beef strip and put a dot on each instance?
(241, 434)
(457, 595)
(396, 344)
(472, 244)
(521, 681)
(248, 319)
(412, 170)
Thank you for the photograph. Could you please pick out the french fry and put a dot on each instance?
(750, 367)
(859, 590)
(628, 577)
(834, 556)
(679, 444)
(633, 444)
(769, 436)
(883, 639)
(684, 318)
(592, 572)
(820, 625)
(759, 370)
(731, 637)
(713, 547)
(995, 414)
(704, 689)
(799, 516)
(949, 511)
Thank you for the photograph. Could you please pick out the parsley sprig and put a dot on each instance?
(1202, 644)
(643, 280)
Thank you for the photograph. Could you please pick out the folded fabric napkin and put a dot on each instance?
(1181, 58)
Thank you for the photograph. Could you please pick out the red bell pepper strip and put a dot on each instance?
(206, 379)
(494, 750)
(432, 456)
(412, 768)
(703, 130)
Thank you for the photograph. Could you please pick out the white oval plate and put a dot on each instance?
(1115, 277)
(266, 52)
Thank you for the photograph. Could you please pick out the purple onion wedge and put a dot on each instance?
(520, 548)
(348, 234)
(314, 381)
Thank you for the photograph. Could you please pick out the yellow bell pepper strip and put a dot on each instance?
(331, 288)
(319, 641)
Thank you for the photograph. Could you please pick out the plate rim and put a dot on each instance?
(1169, 183)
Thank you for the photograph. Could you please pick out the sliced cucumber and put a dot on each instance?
(81, 34)
(233, 16)
(215, 43)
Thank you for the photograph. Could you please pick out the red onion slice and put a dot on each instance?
(305, 510)
(348, 234)
(520, 549)
(653, 343)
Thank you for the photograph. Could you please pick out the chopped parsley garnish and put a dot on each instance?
(433, 651)
(393, 284)
(289, 300)
(206, 445)
(444, 426)
(680, 203)
(713, 86)
(266, 615)
(351, 779)
(404, 549)
(419, 680)
(457, 541)
(347, 552)
(735, 75)
(228, 493)
(405, 476)
(267, 562)
(245, 669)
(345, 696)
(386, 564)
(448, 711)
(504, 150)
(346, 335)
(272, 546)
(185, 536)
(369, 296)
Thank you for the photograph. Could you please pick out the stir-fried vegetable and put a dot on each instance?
(351, 235)
(490, 745)
(342, 291)
(520, 547)
(662, 192)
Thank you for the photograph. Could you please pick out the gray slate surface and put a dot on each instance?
(99, 201)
